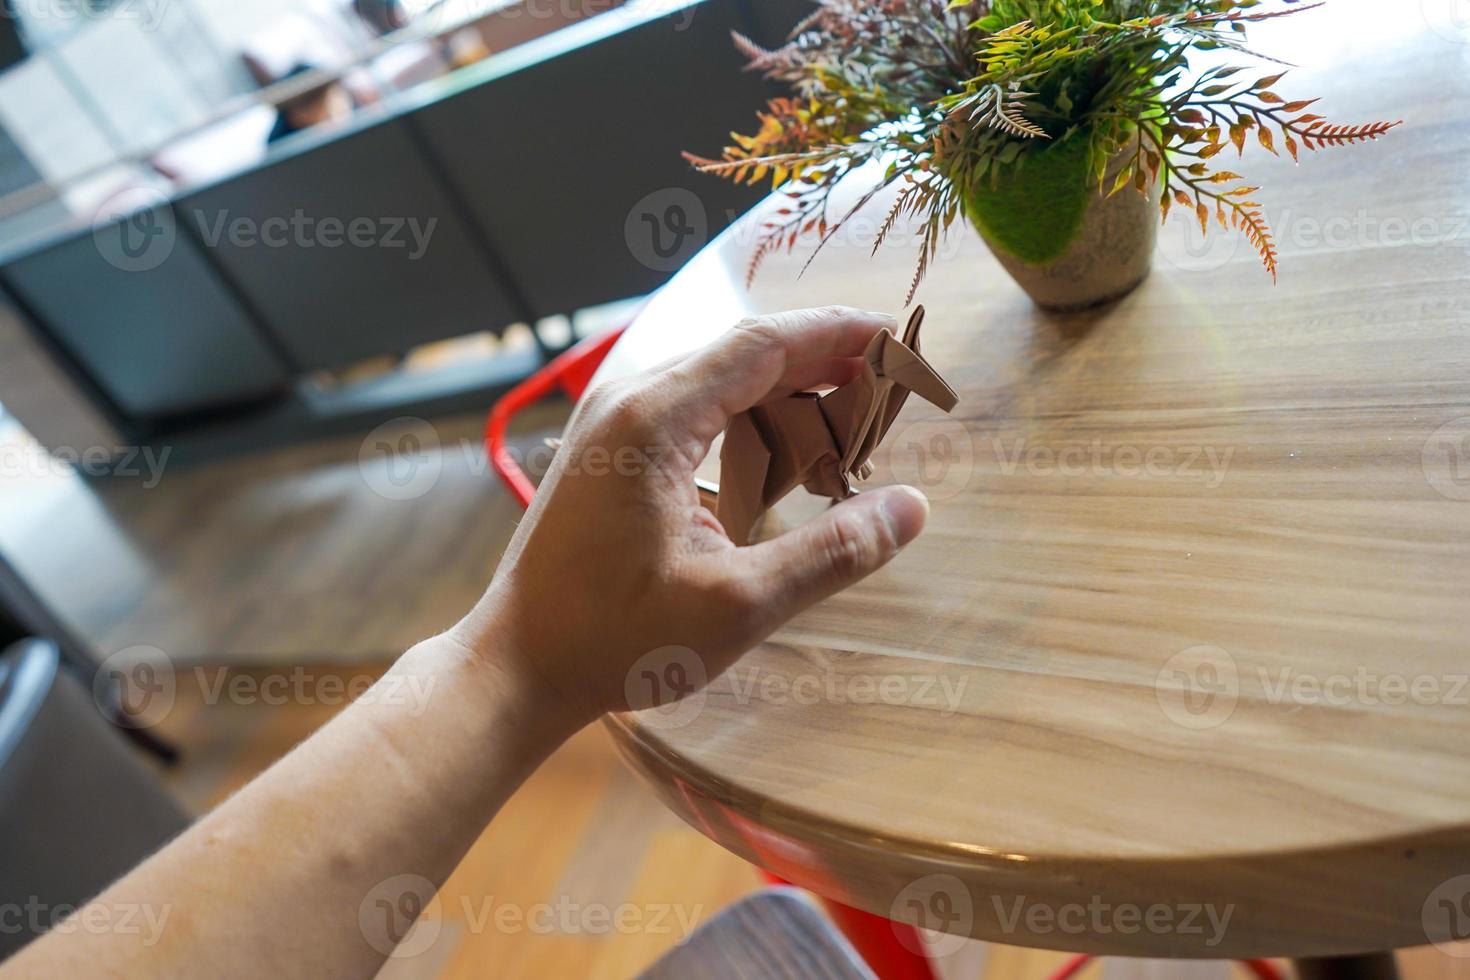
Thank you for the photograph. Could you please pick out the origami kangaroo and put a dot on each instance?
(822, 441)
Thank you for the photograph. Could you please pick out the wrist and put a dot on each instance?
(502, 662)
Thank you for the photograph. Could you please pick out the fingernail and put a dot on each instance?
(885, 317)
(904, 510)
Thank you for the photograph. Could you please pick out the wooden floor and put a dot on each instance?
(583, 839)
(289, 556)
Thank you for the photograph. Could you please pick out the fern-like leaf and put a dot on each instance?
(1347, 135)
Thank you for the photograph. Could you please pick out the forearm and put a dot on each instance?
(273, 880)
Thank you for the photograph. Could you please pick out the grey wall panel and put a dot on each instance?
(332, 297)
(572, 164)
(143, 313)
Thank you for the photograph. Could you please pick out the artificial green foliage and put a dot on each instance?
(953, 97)
(1034, 208)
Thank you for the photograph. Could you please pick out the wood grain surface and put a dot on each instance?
(1179, 667)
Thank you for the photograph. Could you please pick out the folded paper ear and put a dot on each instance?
(911, 332)
(908, 368)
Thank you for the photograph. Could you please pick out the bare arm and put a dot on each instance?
(301, 872)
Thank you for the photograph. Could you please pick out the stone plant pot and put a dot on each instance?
(1068, 244)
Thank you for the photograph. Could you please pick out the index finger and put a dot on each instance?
(761, 355)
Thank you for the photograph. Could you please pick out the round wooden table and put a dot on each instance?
(1179, 667)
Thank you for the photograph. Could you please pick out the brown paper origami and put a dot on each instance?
(822, 442)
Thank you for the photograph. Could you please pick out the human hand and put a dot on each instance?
(616, 558)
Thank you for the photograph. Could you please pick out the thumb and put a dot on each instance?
(850, 541)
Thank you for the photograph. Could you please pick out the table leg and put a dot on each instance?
(1378, 966)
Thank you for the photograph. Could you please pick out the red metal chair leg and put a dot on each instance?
(1073, 966)
(894, 950)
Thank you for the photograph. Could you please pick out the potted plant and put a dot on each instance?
(1059, 128)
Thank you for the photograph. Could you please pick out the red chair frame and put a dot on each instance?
(572, 372)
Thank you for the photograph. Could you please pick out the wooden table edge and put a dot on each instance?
(1361, 914)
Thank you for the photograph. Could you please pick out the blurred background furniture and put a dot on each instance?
(77, 807)
(190, 335)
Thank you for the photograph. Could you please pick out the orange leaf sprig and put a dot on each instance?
(1215, 113)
